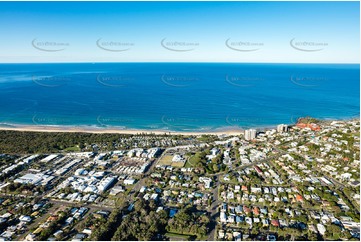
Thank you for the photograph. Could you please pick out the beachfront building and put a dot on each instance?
(250, 134)
(281, 128)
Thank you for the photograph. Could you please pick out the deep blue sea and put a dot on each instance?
(176, 96)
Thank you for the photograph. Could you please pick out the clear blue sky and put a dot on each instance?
(269, 25)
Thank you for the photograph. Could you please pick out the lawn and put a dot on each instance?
(166, 160)
(190, 162)
(177, 164)
(178, 237)
(72, 149)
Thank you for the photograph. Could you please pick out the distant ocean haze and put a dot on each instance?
(176, 96)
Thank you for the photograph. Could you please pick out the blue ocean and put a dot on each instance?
(176, 96)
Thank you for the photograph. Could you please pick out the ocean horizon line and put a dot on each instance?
(182, 62)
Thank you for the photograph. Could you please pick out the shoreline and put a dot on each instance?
(115, 130)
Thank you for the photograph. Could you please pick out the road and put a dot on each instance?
(77, 204)
(213, 210)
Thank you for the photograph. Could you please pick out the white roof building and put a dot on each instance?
(49, 158)
(321, 229)
(178, 158)
(223, 217)
(129, 181)
(30, 178)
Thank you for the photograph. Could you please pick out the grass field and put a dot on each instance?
(166, 160)
(177, 164)
(72, 149)
(190, 162)
(178, 237)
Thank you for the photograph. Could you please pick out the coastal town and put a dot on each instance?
(290, 182)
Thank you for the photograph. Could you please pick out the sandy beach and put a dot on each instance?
(114, 130)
